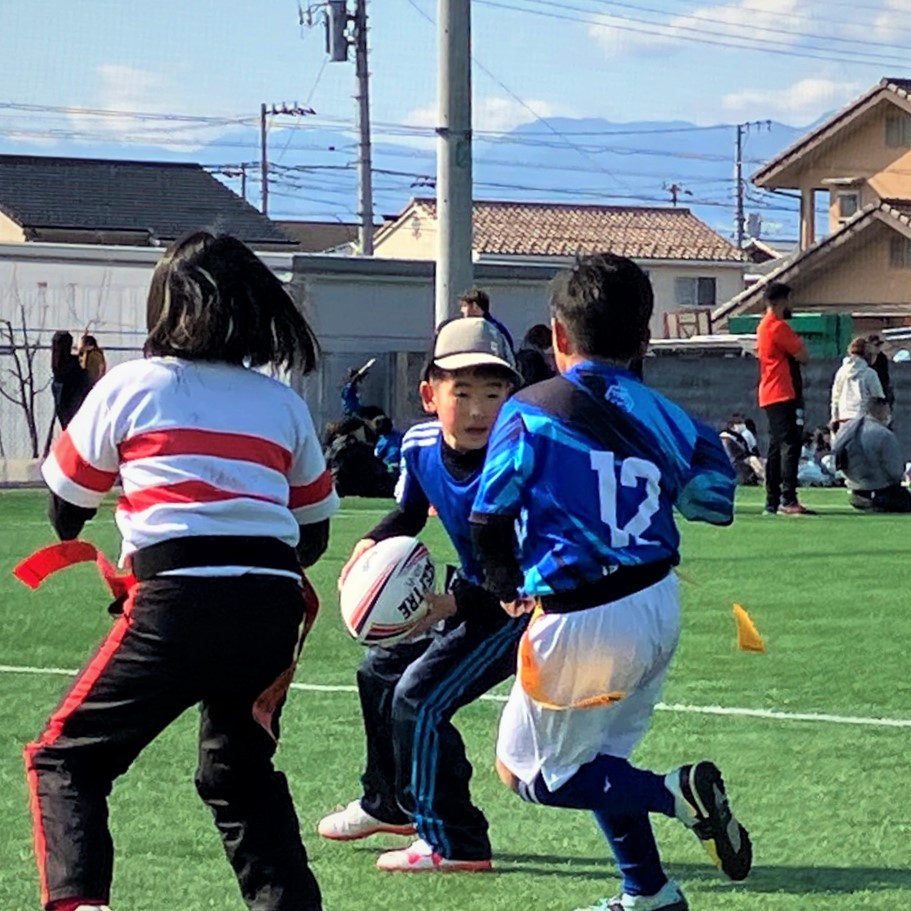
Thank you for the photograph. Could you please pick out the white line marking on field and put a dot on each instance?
(768, 714)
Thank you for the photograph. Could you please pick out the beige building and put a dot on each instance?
(692, 267)
(860, 158)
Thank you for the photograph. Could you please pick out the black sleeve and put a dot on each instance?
(313, 543)
(408, 518)
(67, 518)
(494, 541)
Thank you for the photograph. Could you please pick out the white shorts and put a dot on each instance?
(588, 683)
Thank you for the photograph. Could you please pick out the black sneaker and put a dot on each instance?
(701, 804)
(770, 511)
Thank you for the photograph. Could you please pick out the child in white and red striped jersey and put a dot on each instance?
(225, 498)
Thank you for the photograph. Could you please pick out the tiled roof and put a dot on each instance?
(166, 200)
(565, 229)
(898, 87)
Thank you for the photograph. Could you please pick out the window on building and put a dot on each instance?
(900, 253)
(848, 204)
(898, 131)
(698, 291)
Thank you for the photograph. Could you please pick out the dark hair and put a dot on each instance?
(877, 401)
(777, 291)
(213, 299)
(605, 303)
(538, 336)
(61, 350)
(89, 340)
(476, 296)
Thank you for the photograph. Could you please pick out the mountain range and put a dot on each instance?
(313, 168)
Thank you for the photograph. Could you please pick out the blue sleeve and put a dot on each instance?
(409, 494)
(508, 467)
(707, 490)
(351, 400)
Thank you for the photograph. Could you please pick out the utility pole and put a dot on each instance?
(276, 110)
(455, 269)
(337, 44)
(739, 214)
(675, 190)
(264, 158)
(365, 156)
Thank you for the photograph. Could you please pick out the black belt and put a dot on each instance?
(621, 583)
(213, 550)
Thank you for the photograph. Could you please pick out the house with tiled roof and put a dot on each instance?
(860, 158)
(137, 203)
(692, 268)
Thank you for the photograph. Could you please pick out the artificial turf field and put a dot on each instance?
(826, 796)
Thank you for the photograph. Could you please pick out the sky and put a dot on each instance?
(637, 60)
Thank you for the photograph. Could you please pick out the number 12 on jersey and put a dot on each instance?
(615, 474)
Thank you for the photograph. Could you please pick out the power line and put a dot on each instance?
(758, 45)
(751, 27)
(521, 101)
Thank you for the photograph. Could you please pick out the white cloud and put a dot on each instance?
(127, 91)
(798, 104)
(769, 19)
(893, 19)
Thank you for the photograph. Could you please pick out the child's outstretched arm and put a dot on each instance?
(707, 491)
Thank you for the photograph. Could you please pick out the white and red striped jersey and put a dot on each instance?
(201, 449)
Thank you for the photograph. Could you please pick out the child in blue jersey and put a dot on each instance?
(416, 779)
(592, 463)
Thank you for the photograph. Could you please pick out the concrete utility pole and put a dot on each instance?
(337, 44)
(276, 110)
(455, 268)
(365, 155)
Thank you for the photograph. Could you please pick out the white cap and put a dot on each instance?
(472, 342)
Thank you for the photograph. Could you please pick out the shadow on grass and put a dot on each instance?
(796, 880)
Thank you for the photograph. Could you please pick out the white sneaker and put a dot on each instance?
(668, 898)
(354, 822)
(93, 908)
(419, 857)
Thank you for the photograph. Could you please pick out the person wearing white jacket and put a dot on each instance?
(855, 384)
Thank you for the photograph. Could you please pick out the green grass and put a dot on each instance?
(827, 802)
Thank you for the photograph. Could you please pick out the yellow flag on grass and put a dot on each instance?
(748, 638)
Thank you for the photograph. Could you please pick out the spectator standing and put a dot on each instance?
(477, 303)
(880, 363)
(869, 455)
(780, 350)
(70, 383)
(855, 384)
(532, 358)
(91, 358)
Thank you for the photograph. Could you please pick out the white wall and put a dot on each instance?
(360, 308)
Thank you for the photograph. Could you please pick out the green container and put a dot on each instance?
(826, 334)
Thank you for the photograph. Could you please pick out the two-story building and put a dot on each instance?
(861, 159)
(692, 268)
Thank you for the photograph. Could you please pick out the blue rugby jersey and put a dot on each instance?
(424, 479)
(592, 465)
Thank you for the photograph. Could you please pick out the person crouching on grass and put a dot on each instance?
(225, 497)
(594, 463)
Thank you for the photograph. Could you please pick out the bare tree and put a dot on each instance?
(19, 382)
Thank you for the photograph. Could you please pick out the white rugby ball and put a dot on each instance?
(382, 598)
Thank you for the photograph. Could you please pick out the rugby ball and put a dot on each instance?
(382, 597)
